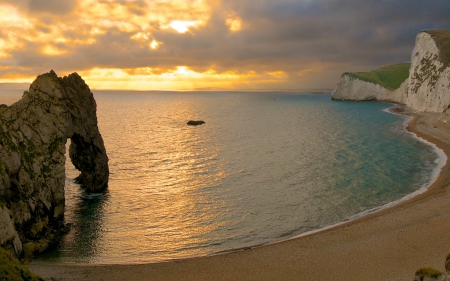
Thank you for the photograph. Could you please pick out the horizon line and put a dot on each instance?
(18, 85)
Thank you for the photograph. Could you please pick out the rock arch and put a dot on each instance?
(33, 135)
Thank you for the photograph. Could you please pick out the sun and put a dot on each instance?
(182, 26)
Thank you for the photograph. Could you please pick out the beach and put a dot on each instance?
(390, 244)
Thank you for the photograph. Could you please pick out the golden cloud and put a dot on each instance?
(233, 22)
(182, 26)
(91, 18)
(179, 78)
(112, 44)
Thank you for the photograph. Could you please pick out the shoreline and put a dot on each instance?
(442, 157)
(387, 244)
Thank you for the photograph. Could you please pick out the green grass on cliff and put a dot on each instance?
(12, 270)
(442, 39)
(390, 77)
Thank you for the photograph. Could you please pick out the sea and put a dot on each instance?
(263, 168)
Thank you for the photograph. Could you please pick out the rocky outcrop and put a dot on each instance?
(445, 117)
(447, 266)
(429, 274)
(352, 88)
(33, 136)
(195, 122)
(12, 269)
(429, 75)
(428, 85)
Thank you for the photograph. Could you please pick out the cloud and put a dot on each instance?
(53, 7)
(310, 42)
(43, 6)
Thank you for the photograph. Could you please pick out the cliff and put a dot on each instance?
(384, 84)
(33, 136)
(427, 87)
(429, 75)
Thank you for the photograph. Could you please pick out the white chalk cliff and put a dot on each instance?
(429, 75)
(428, 85)
(352, 88)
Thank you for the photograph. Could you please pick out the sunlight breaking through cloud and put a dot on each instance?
(182, 26)
(180, 78)
(233, 22)
(234, 43)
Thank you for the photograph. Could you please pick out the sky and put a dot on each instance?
(210, 44)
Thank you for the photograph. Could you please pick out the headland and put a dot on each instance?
(390, 244)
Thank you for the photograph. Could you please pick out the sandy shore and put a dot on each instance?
(387, 245)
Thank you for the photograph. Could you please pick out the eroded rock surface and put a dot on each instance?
(428, 85)
(351, 88)
(33, 136)
(429, 75)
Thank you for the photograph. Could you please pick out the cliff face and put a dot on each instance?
(428, 85)
(429, 82)
(351, 88)
(33, 135)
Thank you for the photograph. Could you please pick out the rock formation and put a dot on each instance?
(429, 75)
(447, 266)
(33, 136)
(352, 88)
(195, 122)
(429, 274)
(428, 85)
(427, 89)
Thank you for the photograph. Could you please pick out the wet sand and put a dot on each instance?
(390, 244)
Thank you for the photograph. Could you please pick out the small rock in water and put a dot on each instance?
(195, 123)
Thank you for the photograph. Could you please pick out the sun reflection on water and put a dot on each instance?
(264, 167)
(170, 165)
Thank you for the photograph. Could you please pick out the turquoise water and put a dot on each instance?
(264, 167)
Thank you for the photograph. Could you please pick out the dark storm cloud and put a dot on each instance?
(370, 33)
(344, 26)
(357, 35)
